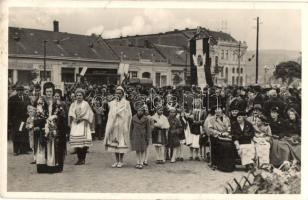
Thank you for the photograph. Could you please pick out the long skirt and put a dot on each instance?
(50, 157)
(247, 154)
(284, 150)
(262, 153)
(226, 155)
(80, 135)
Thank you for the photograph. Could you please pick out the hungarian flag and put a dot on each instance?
(200, 57)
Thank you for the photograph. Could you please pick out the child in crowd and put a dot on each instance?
(159, 134)
(175, 130)
(140, 135)
(30, 128)
(146, 152)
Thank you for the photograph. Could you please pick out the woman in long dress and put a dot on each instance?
(262, 138)
(118, 126)
(242, 133)
(49, 131)
(80, 119)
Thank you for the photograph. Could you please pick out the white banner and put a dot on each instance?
(83, 71)
(199, 60)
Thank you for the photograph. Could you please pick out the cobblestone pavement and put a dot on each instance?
(98, 176)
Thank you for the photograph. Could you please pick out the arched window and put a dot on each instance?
(146, 75)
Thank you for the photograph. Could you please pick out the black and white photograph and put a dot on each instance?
(116, 100)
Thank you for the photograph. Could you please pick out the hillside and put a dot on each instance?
(267, 58)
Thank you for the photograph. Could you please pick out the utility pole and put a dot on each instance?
(239, 63)
(257, 51)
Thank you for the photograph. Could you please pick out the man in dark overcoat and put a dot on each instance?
(17, 117)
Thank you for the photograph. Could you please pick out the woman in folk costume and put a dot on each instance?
(118, 127)
(80, 119)
(220, 127)
(242, 133)
(140, 134)
(159, 134)
(49, 129)
(174, 131)
(262, 140)
(196, 121)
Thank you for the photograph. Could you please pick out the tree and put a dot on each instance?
(288, 71)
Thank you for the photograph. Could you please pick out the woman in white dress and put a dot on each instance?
(118, 126)
(80, 119)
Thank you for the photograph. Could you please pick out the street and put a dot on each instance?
(98, 176)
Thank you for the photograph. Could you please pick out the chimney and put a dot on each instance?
(55, 26)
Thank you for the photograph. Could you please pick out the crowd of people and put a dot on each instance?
(249, 126)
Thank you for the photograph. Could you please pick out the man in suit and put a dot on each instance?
(17, 115)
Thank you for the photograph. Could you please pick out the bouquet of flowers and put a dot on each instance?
(51, 127)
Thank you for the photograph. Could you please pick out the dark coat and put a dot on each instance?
(243, 136)
(195, 124)
(140, 133)
(17, 113)
(174, 132)
(278, 127)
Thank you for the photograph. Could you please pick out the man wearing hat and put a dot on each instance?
(17, 116)
(273, 101)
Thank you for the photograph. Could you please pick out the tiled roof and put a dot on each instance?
(136, 53)
(218, 35)
(173, 38)
(24, 41)
(175, 55)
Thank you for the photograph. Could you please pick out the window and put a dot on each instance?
(68, 75)
(241, 70)
(237, 70)
(241, 80)
(233, 70)
(157, 79)
(237, 80)
(48, 75)
(227, 54)
(222, 72)
(222, 54)
(232, 80)
(227, 74)
(146, 75)
(133, 74)
(10, 75)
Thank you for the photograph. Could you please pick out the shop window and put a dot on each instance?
(67, 75)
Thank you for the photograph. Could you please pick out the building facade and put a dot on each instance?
(162, 59)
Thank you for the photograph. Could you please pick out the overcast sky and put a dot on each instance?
(280, 29)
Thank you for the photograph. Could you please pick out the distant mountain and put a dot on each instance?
(267, 58)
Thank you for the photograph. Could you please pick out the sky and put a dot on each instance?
(279, 29)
